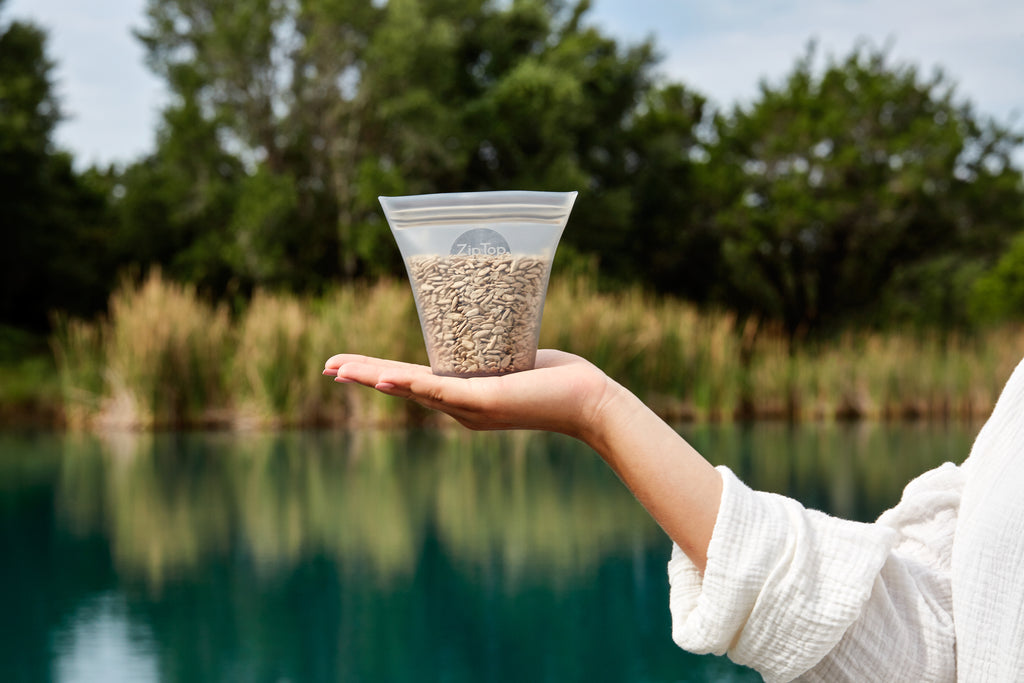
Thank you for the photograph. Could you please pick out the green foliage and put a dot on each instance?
(174, 209)
(854, 190)
(999, 293)
(29, 390)
(844, 191)
(932, 292)
(673, 241)
(843, 177)
(281, 136)
(51, 215)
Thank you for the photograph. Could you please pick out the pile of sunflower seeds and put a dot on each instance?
(480, 314)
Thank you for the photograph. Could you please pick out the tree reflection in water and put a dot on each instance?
(519, 501)
(399, 556)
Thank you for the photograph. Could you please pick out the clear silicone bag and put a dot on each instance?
(479, 264)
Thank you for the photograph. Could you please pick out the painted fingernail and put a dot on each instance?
(328, 371)
(344, 380)
(384, 386)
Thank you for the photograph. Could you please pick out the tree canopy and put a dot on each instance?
(851, 188)
(301, 114)
(51, 214)
(844, 179)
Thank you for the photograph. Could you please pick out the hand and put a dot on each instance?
(563, 393)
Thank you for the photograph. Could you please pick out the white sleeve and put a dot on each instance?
(793, 592)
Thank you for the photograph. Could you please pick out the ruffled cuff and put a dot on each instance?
(781, 586)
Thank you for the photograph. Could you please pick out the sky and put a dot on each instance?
(720, 48)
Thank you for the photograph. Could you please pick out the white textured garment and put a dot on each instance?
(932, 591)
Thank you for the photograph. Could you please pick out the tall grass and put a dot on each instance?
(375, 320)
(157, 360)
(271, 369)
(165, 357)
(683, 362)
(80, 357)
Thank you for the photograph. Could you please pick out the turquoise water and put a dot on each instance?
(374, 556)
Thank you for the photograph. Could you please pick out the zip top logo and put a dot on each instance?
(480, 242)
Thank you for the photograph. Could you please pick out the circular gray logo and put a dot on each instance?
(480, 242)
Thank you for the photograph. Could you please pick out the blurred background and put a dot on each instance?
(799, 236)
(808, 171)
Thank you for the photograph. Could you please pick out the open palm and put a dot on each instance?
(562, 393)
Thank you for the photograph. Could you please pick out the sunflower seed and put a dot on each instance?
(480, 314)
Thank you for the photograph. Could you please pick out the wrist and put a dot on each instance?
(607, 416)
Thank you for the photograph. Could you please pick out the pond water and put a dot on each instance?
(378, 556)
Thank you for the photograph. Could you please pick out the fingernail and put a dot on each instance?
(328, 371)
(384, 386)
(344, 380)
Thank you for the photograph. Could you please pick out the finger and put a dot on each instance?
(369, 372)
(450, 394)
(405, 380)
(340, 359)
(547, 358)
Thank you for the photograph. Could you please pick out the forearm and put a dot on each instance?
(677, 486)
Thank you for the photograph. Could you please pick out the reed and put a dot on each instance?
(376, 320)
(682, 361)
(272, 376)
(165, 353)
(899, 375)
(158, 360)
(80, 359)
(165, 357)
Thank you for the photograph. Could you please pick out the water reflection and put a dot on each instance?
(854, 470)
(168, 503)
(372, 556)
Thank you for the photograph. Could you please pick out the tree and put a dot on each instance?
(320, 106)
(843, 178)
(55, 251)
(673, 245)
(176, 207)
(998, 294)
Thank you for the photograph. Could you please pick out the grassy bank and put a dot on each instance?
(165, 357)
(29, 392)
